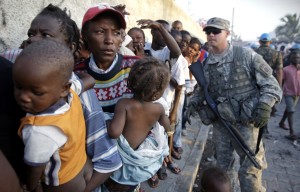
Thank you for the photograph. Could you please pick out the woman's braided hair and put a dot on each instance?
(68, 26)
(147, 77)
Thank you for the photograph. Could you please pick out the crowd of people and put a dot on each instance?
(101, 109)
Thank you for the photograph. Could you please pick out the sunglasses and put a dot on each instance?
(214, 31)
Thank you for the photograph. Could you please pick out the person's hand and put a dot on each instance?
(190, 111)
(148, 24)
(196, 57)
(261, 115)
(139, 49)
(122, 9)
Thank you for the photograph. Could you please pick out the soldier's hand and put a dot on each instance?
(190, 111)
(187, 115)
(261, 115)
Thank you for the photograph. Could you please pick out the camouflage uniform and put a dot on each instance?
(275, 61)
(238, 79)
(272, 57)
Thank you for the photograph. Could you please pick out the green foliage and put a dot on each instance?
(290, 29)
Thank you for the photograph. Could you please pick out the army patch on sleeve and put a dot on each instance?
(265, 69)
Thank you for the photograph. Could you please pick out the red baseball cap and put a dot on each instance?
(99, 9)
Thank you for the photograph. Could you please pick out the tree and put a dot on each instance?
(290, 30)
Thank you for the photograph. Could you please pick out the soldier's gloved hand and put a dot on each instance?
(261, 115)
(190, 111)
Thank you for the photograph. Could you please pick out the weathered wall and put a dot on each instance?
(16, 15)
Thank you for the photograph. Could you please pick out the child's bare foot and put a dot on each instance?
(153, 181)
(174, 168)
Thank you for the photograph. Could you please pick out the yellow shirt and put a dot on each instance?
(72, 156)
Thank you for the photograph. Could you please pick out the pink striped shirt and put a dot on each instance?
(291, 78)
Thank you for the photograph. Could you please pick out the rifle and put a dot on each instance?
(197, 70)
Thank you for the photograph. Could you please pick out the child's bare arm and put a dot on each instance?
(173, 113)
(96, 180)
(34, 174)
(118, 122)
(164, 120)
(170, 41)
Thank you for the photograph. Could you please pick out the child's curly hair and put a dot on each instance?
(147, 77)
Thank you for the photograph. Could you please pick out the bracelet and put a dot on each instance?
(169, 133)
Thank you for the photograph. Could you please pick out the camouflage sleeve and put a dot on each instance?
(278, 61)
(270, 91)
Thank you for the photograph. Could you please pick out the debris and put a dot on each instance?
(295, 143)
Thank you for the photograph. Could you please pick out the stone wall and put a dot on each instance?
(16, 16)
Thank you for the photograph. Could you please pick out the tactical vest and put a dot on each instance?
(231, 79)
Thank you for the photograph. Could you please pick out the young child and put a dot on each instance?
(134, 118)
(291, 92)
(53, 22)
(177, 25)
(215, 180)
(138, 40)
(53, 129)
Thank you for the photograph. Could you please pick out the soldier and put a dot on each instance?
(242, 85)
(273, 58)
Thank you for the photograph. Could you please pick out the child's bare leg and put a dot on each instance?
(290, 117)
(283, 117)
(77, 184)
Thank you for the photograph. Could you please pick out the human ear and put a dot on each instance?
(73, 47)
(65, 90)
(155, 97)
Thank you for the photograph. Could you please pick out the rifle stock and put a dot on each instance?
(197, 70)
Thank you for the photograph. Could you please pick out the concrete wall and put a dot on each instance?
(16, 16)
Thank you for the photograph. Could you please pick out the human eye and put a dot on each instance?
(17, 87)
(117, 33)
(47, 35)
(30, 34)
(100, 31)
(38, 93)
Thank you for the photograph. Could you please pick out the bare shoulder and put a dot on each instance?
(124, 101)
(157, 107)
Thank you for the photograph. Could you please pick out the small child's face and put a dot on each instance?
(177, 26)
(193, 49)
(178, 39)
(35, 89)
(185, 43)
